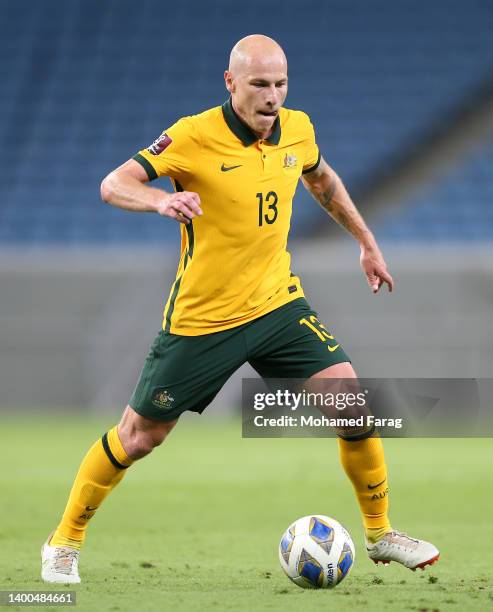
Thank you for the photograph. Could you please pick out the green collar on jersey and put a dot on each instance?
(242, 131)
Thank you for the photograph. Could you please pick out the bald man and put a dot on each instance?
(234, 169)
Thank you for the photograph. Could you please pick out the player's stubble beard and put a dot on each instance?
(260, 125)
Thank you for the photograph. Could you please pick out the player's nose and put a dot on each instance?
(272, 96)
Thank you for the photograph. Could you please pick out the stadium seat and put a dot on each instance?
(90, 83)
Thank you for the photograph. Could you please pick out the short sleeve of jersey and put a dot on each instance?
(174, 153)
(312, 153)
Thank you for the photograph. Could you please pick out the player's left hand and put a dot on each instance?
(375, 268)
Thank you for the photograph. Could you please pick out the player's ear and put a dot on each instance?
(228, 79)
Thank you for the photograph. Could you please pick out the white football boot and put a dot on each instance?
(399, 547)
(59, 564)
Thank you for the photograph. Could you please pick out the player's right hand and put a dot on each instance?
(182, 206)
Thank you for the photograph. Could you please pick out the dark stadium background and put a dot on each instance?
(401, 96)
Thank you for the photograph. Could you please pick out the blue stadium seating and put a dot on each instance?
(87, 83)
(457, 207)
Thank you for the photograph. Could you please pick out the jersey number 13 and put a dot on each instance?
(267, 208)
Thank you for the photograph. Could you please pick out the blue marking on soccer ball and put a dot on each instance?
(345, 562)
(312, 572)
(320, 531)
(287, 544)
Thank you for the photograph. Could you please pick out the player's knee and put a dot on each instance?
(139, 436)
(141, 443)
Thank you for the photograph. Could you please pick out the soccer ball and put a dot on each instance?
(316, 552)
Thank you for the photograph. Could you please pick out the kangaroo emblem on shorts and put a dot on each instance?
(162, 399)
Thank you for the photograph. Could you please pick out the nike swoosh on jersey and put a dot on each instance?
(228, 168)
(333, 348)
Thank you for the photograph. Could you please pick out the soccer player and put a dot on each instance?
(235, 169)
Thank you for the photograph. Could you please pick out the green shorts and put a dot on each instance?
(186, 372)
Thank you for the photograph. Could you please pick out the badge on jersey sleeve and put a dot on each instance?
(158, 146)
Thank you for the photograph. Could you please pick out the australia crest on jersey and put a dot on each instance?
(158, 146)
(290, 161)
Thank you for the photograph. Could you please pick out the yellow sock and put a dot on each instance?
(100, 471)
(364, 463)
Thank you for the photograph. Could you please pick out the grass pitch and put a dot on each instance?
(196, 525)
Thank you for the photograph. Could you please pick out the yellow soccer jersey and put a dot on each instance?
(234, 266)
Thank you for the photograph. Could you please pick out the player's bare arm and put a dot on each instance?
(328, 190)
(125, 188)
